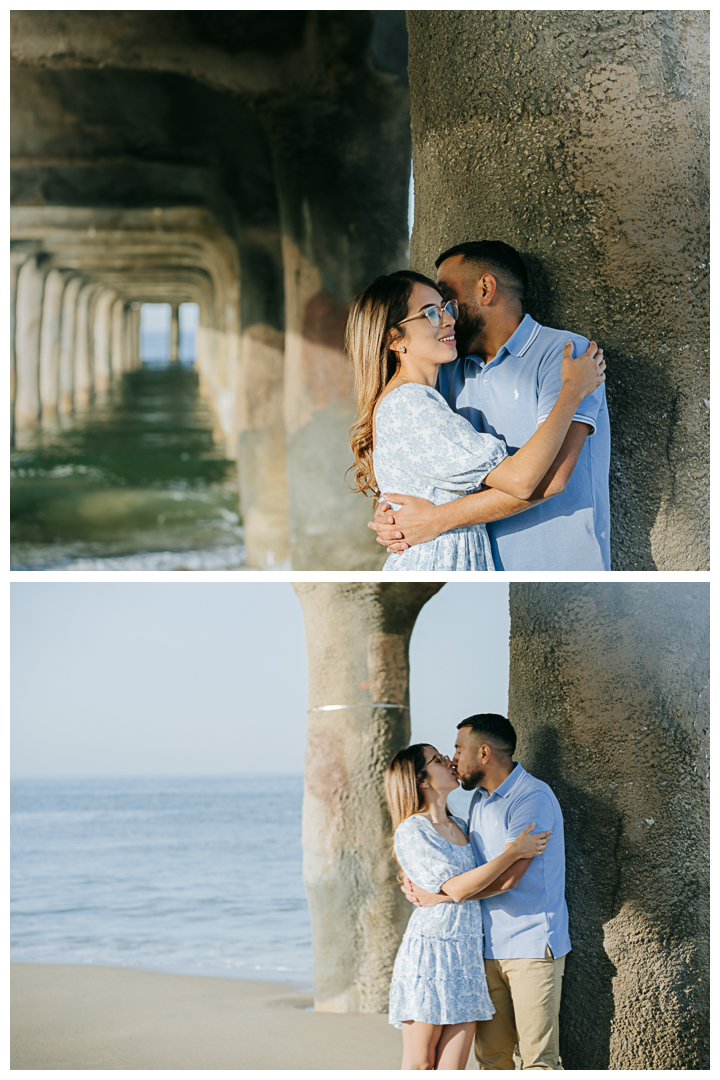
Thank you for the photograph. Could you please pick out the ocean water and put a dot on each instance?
(187, 876)
(135, 482)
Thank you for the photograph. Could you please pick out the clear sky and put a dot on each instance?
(210, 679)
(155, 318)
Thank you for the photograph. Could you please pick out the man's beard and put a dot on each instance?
(469, 783)
(470, 323)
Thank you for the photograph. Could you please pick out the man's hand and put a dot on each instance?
(419, 897)
(416, 522)
(409, 889)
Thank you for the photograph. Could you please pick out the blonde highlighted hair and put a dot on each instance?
(379, 308)
(403, 778)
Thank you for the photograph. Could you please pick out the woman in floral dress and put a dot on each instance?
(438, 990)
(407, 438)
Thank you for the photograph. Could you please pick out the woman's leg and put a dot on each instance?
(453, 1049)
(419, 1044)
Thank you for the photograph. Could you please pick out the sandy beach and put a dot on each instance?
(67, 1017)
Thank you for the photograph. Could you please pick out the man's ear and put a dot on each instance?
(485, 289)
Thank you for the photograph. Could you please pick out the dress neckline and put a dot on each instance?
(451, 842)
(402, 386)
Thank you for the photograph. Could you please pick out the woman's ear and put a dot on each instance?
(396, 346)
(393, 340)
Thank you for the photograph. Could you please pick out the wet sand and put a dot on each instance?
(67, 1017)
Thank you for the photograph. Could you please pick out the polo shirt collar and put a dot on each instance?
(505, 789)
(517, 344)
(520, 341)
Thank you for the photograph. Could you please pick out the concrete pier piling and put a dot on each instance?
(358, 717)
(581, 139)
(260, 169)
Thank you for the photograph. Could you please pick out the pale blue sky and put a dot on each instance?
(155, 318)
(210, 679)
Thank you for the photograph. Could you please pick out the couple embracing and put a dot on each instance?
(486, 433)
(484, 952)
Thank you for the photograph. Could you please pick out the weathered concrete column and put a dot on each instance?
(66, 375)
(261, 453)
(357, 641)
(101, 334)
(134, 340)
(50, 346)
(117, 326)
(30, 288)
(128, 340)
(609, 695)
(83, 381)
(342, 169)
(581, 138)
(17, 259)
(174, 332)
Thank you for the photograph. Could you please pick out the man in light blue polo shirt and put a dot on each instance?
(526, 923)
(505, 381)
(525, 917)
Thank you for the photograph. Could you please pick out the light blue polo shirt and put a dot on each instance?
(509, 397)
(521, 922)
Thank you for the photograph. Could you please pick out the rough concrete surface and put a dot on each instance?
(609, 696)
(581, 138)
(357, 640)
(290, 131)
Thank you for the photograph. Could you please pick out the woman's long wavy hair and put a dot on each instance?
(403, 779)
(379, 308)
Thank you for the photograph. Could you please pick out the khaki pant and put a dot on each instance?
(526, 996)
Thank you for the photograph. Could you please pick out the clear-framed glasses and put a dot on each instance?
(435, 312)
(438, 757)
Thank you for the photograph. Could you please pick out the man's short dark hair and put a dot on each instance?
(494, 256)
(493, 728)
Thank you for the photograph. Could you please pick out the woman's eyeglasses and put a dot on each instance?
(438, 757)
(435, 312)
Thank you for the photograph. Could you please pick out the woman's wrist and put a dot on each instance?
(572, 393)
(441, 520)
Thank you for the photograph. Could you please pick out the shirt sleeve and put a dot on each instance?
(428, 439)
(550, 382)
(535, 806)
(423, 855)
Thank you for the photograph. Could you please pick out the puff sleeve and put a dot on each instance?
(422, 435)
(423, 854)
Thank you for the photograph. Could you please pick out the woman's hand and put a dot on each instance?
(583, 374)
(527, 846)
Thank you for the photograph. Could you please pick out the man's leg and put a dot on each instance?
(495, 1038)
(535, 986)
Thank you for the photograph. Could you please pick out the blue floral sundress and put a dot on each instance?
(439, 973)
(425, 449)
